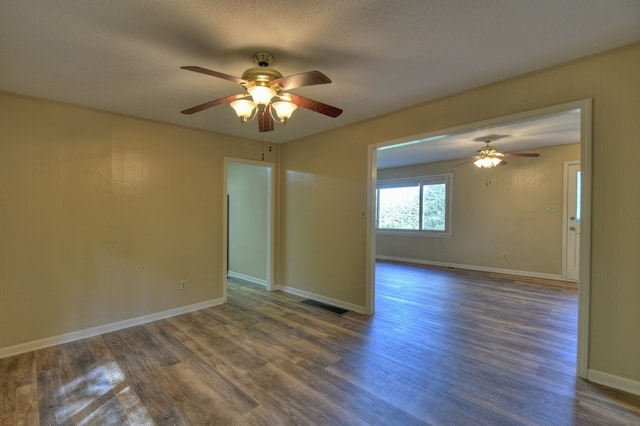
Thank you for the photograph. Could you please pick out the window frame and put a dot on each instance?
(421, 181)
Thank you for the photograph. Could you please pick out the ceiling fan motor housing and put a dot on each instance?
(259, 76)
(489, 150)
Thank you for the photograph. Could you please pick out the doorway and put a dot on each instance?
(583, 107)
(248, 222)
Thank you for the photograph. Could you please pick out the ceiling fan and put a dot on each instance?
(489, 156)
(264, 94)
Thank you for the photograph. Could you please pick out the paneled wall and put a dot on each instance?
(101, 217)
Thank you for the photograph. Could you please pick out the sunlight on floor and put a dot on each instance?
(97, 403)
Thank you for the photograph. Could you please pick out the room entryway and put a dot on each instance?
(571, 222)
(248, 222)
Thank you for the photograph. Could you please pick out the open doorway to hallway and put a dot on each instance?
(248, 222)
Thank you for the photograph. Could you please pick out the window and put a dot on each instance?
(418, 205)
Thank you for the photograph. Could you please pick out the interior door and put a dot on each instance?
(572, 222)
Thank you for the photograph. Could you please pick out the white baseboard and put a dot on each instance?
(249, 278)
(323, 299)
(102, 329)
(473, 267)
(616, 382)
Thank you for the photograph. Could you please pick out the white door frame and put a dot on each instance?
(271, 205)
(585, 107)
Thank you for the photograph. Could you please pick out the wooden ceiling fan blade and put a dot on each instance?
(265, 123)
(214, 74)
(316, 106)
(294, 81)
(213, 103)
(521, 154)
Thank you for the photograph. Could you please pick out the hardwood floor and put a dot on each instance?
(445, 347)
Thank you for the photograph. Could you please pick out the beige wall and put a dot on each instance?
(322, 233)
(324, 184)
(102, 215)
(248, 189)
(494, 210)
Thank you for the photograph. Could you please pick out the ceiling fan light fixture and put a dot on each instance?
(486, 161)
(261, 95)
(283, 111)
(489, 156)
(263, 86)
(245, 110)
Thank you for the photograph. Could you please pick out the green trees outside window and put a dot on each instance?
(414, 205)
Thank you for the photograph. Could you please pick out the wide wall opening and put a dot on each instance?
(512, 218)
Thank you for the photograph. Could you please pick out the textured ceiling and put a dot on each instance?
(125, 56)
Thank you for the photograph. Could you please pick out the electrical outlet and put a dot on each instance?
(183, 285)
(504, 255)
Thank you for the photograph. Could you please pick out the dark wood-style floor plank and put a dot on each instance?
(445, 347)
(52, 400)
(19, 390)
(140, 357)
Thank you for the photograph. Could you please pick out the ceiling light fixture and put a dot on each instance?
(245, 110)
(283, 109)
(488, 157)
(486, 162)
(280, 110)
(263, 97)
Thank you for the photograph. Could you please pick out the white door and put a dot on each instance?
(572, 220)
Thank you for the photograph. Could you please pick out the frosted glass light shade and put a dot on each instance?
(284, 109)
(487, 161)
(244, 109)
(261, 94)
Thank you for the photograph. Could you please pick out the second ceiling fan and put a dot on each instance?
(489, 156)
(264, 94)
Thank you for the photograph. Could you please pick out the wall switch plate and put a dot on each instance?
(551, 209)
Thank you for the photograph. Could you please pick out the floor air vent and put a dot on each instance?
(325, 306)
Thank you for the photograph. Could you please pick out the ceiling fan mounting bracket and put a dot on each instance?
(489, 138)
(263, 59)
